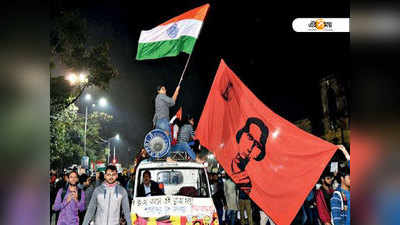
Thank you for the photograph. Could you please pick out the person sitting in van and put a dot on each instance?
(149, 187)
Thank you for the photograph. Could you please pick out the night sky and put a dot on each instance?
(255, 38)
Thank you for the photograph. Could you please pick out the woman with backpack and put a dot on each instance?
(69, 201)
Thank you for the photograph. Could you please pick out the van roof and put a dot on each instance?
(145, 164)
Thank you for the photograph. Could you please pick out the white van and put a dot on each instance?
(187, 199)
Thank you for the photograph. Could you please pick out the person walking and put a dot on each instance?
(323, 198)
(340, 201)
(245, 205)
(218, 196)
(232, 200)
(105, 205)
(69, 201)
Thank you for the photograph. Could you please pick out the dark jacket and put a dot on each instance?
(155, 190)
(219, 195)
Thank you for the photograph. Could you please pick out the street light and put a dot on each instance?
(116, 137)
(72, 78)
(83, 78)
(88, 97)
(102, 102)
(108, 141)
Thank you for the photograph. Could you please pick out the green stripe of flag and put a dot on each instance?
(155, 50)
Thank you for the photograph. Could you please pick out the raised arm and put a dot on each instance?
(59, 203)
(176, 93)
(345, 152)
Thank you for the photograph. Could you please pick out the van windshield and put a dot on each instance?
(190, 182)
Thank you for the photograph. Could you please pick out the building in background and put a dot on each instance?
(335, 110)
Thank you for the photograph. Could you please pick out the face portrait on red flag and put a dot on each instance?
(269, 158)
(251, 140)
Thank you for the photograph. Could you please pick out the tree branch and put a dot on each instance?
(76, 98)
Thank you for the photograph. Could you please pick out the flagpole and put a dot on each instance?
(187, 61)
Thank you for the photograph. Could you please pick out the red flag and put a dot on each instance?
(269, 158)
(179, 114)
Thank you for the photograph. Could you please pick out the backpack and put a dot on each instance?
(342, 205)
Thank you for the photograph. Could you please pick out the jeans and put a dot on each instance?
(183, 146)
(220, 212)
(230, 216)
(163, 124)
(312, 216)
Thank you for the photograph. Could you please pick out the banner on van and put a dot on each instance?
(157, 206)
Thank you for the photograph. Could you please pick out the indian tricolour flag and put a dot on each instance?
(176, 35)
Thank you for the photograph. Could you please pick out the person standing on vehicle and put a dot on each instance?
(107, 200)
(162, 105)
(69, 201)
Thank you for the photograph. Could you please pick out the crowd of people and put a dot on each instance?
(73, 202)
(77, 199)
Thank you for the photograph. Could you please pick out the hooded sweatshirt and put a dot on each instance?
(105, 205)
